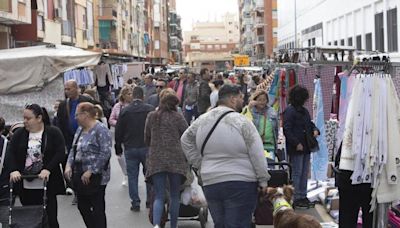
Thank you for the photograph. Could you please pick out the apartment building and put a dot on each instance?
(211, 44)
(175, 34)
(13, 12)
(156, 31)
(370, 25)
(258, 29)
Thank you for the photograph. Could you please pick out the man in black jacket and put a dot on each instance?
(130, 132)
(203, 102)
(66, 117)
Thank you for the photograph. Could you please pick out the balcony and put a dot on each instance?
(6, 6)
(258, 5)
(108, 44)
(108, 13)
(258, 22)
(259, 40)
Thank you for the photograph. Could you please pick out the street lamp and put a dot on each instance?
(295, 24)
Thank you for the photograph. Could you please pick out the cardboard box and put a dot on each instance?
(335, 203)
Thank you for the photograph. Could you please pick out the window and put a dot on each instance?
(392, 30)
(358, 42)
(329, 43)
(224, 46)
(313, 41)
(379, 39)
(368, 42)
(335, 43)
(342, 42)
(202, 47)
(156, 44)
(350, 41)
(210, 46)
(217, 47)
(230, 31)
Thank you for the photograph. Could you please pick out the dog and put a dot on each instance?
(284, 215)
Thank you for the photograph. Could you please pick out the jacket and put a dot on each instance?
(63, 119)
(204, 97)
(163, 131)
(148, 91)
(5, 173)
(115, 113)
(175, 86)
(191, 93)
(53, 149)
(95, 150)
(154, 100)
(130, 126)
(254, 117)
(297, 121)
(234, 151)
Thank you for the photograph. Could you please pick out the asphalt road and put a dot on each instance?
(117, 206)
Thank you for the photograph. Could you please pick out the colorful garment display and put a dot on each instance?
(81, 76)
(331, 128)
(320, 158)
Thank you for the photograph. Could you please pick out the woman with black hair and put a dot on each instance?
(296, 124)
(38, 149)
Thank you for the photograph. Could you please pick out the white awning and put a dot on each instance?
(31, 68)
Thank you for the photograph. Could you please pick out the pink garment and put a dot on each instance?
(115, 113)
(179, 91)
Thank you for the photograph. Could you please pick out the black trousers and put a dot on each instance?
(351, 199)
(93, 209)
(35, 197)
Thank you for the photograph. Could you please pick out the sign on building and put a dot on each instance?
(241, 60)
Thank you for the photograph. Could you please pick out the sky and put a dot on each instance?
(203, 10)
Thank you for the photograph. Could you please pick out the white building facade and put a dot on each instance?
(370, 25)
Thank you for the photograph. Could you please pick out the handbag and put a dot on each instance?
(311, 141)
(77, 172)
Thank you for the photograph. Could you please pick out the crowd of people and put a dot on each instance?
(221, 126)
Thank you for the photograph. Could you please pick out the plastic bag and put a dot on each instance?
(186, 196)
(197, 195)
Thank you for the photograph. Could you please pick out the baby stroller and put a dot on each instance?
(193, 213)
(281, 174)
(34, 216)
(193, 205)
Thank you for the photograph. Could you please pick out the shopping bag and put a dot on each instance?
(198, 198)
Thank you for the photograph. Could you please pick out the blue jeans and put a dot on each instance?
(300, 167)
(159, 180)
(190, 113)
(133, 158)
(231, 203)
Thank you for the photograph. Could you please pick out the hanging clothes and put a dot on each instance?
(330, 134)
(320, 158)
(81, 76)
(371, 137)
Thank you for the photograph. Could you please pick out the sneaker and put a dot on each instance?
(300, 204)
(135, 208)
(69, 191)
(125, 181)
(308, 202)
(156, 226)
(75, 200)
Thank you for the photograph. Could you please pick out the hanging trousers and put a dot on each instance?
(351, 199)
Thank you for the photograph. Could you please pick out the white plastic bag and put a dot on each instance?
(197, 195)
(186, 196)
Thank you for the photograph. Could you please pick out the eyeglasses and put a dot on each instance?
(159, 86)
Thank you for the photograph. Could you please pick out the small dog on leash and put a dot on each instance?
(284, 215)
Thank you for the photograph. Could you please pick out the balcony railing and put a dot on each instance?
(259, 5)
(108, 44)
(259, 40)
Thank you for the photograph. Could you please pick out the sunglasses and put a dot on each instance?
(159, 86)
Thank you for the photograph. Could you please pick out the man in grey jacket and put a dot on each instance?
(232, 164)
(191, 96)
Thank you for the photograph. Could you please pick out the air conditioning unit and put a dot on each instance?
(57, 13)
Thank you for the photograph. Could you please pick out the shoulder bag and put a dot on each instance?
(200, 181)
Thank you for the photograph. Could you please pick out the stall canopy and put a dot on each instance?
(32, 68)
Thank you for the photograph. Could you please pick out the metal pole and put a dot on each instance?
(381, 215)
(295, 23)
